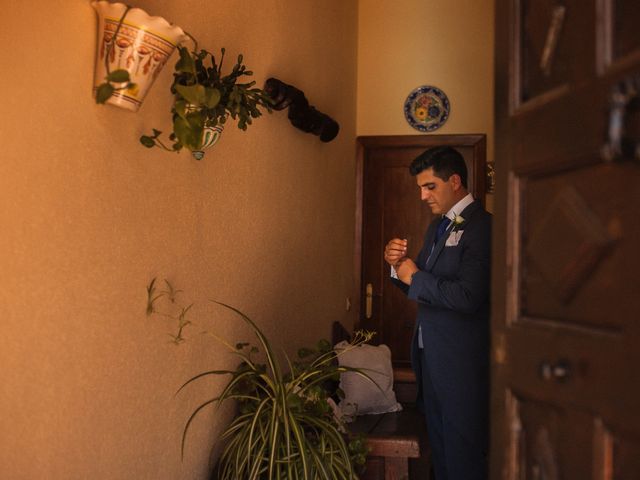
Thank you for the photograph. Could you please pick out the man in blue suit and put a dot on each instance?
(450, 281)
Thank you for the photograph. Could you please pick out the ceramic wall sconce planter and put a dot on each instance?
(142, 46)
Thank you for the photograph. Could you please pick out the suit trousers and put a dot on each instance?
(454, 457)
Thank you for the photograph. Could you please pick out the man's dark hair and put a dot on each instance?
(445, 161)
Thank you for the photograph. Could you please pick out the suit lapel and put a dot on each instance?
(423, 256)
(467, 213)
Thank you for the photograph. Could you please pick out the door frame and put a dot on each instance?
(478, 142)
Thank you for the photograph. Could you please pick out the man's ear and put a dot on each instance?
(456, 181)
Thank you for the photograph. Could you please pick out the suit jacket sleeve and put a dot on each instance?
(401, 285)
(466, 288)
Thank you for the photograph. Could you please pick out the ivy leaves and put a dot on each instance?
(188, 130)
(106, 89)
(204, 98)
(199, 95)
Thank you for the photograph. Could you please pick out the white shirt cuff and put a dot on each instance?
(394, 274)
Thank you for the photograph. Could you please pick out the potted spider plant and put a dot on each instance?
(204, 99)
(285, 427)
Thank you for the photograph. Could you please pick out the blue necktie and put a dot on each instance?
(442, 227)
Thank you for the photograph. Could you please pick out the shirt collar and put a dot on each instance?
(459, 207)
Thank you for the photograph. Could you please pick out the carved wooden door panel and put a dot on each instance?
(389, 205)
(566, 271)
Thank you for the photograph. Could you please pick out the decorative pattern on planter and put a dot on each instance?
(143, 46)
(210, 137)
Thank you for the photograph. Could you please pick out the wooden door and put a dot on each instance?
(388, 206)
(566, 264)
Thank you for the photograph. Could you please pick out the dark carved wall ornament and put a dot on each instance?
(301, 114)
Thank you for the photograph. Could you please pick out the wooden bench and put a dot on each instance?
(398, 440)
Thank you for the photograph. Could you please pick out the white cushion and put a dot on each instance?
(361, 395)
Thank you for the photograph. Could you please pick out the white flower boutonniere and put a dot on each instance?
(458, 223)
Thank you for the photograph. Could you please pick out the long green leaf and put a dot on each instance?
(204, 374)
(319, 463)
(298, 435)
(254, 424)
(271, 359)
(193, 415)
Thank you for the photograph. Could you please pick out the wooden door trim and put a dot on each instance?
(478, 142)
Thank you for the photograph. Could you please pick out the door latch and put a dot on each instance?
(368, 301)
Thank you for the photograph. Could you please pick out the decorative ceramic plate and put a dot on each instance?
(426, 108)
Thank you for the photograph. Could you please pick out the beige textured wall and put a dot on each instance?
(88, 217)
(403, 45)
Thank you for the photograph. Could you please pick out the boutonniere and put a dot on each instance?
(458, 223)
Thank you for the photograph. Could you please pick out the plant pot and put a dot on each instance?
(210, 137)
(142, 47)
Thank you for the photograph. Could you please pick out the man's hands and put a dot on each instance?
(395, 251)
(395, 254)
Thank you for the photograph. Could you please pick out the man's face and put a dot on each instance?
(439, 194)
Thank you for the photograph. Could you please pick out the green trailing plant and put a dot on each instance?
(284, 427)
(204, 97)
(118, 79)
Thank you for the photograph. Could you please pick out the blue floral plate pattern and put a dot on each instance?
(426, 108)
